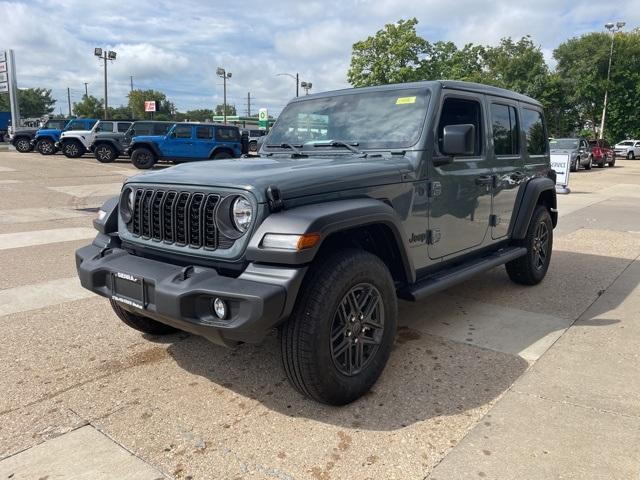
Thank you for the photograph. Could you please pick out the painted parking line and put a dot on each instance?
(6, 169)
(39, 295)
(44, 237)
(28, 215)
(82, 453)
(9, 182)
(97, 190)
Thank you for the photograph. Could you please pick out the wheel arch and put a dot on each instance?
(369, 224)
(538, 191)
(220, 149)
(151, 146)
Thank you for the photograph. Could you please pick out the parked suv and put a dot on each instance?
(319, 238)
(108, 146)
(187, 142)
(578, 150)
(22, 137)
(46, 138)
(602, 153)
(75, 143)
(629, 149)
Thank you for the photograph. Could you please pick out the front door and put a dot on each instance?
(179, 143)
(507, 163)
(460, 187)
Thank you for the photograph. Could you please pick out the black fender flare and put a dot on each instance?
(151, 146)
(327, 218)
(45, 137)
(17, 137)
(529, 200)
(110, 141)
(218, 149)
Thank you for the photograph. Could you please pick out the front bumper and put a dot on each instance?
(258, 300)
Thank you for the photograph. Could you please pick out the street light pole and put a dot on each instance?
(221, 72)
(86, 89)
(296, 77)
(105, 55)
(613, 28)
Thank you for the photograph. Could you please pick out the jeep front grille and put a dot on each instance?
(178, 218)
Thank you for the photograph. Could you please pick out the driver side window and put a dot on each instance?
(457, 111)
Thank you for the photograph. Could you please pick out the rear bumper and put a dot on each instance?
(258, 300)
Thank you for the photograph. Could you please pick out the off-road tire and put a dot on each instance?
(143, 158)
(45, 146)
(23, 145)
(140, 323)
(73, 149)
(524, 270)
(305, 339)
(253, 146)
(222, 155)
(105, 153)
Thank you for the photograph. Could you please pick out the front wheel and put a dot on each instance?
(531, 268)
(105, 153)
(589, 164)
(631, 156)
(23, 145)
(72, 149)
(338, 339)
(143, 158)
(140, 323)
(46, 146)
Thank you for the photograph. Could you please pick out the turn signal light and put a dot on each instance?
(290, 242)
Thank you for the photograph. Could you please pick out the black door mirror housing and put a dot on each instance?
(459, 139)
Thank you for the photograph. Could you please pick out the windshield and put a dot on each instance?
(382, 119)
(55, 124)
(626, 143)
(564, 143)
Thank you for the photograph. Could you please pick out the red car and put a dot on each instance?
(602, 153)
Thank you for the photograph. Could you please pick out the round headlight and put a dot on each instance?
(241, 213)
(126, 204)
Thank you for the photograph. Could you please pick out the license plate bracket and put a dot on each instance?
(128, 289)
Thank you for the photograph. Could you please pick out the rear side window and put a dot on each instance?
(457, 111)
(78, 125)
(204, 133)
(182, 131)
(161, 128)
(504, 123)
(105, 127)
(123, 127)
(534, 129)
(142, 129)
(224, 134)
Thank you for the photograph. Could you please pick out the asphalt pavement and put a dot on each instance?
(486, 380)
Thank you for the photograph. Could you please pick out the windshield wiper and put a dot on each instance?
(295, 148)
(339, 143)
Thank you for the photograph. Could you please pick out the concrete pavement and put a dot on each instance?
(486, 352)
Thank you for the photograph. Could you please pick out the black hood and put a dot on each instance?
(295, 177)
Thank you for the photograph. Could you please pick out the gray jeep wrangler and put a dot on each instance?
(359, 197)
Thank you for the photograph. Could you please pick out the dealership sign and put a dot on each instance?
(561, 164)
(150, 106)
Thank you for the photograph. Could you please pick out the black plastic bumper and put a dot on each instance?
(258, 300)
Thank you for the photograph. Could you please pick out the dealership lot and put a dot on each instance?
(485, 378)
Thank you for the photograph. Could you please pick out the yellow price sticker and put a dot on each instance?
(405, 100)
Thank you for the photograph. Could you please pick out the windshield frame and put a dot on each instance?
(407, 90)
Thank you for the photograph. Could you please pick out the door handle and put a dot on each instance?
(517, 176)
(484, 180)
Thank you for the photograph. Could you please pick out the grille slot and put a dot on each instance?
(178, 218)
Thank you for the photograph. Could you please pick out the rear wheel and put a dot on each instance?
(23, 145)
(46, 146)
(143, 158)
(221, 155)
(140, 323)
(339, 336)
(531, 268)
(575, 165)
(105, 153)
(612, 162)
(72, 149)
(631, 156)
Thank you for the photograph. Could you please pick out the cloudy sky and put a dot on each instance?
(175, 46)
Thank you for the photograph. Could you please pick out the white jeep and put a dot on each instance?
(75, 143)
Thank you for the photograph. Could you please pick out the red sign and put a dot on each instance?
(150, 106)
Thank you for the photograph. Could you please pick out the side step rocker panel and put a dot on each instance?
(440, 281)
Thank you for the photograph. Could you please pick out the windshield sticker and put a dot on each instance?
(405, 100)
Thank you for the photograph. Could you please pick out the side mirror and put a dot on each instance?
(459, 139)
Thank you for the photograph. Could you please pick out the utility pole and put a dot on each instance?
(131, 80)
(69, 100)
(297, 85)
(130, 95)
(248, 104)
(86, 89)
(613, 28)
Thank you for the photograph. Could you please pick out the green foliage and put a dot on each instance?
(34, 102)
(89, 107)
(201, 115)
(164, 108)
(231, 109)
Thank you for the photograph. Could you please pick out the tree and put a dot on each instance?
(203, 115)
(90, 107)
(33, 102)
(231, 109)
(164, 108)
(394, 54)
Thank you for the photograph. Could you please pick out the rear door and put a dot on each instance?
(229, 137)
(506, 162)
(460, 197)
(179, 143)
(204, 141)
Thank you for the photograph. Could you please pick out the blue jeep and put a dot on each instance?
(46, 138)
(186, 142)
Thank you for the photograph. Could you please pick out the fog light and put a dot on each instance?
(220, 308)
